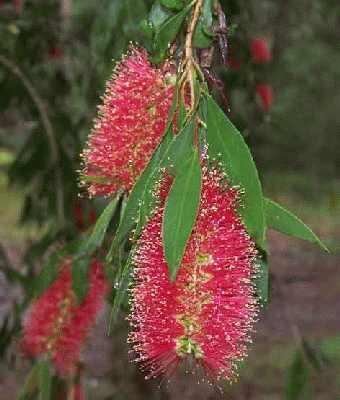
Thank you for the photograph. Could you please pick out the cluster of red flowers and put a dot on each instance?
(130, 125)
(208, 312)
(260, 50)
(56, 325)
(261, 53)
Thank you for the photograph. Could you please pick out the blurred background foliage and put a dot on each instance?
(55, 57)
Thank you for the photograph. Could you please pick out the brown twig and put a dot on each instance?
(189, 63)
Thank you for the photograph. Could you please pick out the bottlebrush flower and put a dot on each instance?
(260, 51)
(208, 312)
(56, 325)
(130, 124)
(265, 92)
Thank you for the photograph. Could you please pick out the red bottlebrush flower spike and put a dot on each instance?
(207, 314)
(130, 125)
(260, 51)
(265, 92)
(56, 325)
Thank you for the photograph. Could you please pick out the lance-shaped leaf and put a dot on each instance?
(121, 286)
(167, 34)
(284, 221)
(130, 215)
(173, 4)
(177, 153)
(98, 234)
(262, 281)
(226, 144)
(181, 211)
(203, 35)
(50, 269)
(45, 381)
(80, 284)
(31, 384)
(158, 15)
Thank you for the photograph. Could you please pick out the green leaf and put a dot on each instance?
(158, 15)
(98, 234)
(262, 281)
(31, 384)
(180, 212)
(47, 275)
(176, 153)
(298, 378)
(45, 380)
(130, 215)
(50, 269)
(201, 40)
(167, 34)
(203, 35)
(121, 286)
(226, 144)
(146, 28)
(284, 221)
(80, 284)
(173, 4)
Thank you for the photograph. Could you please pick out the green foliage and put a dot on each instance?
(284, 221)
(167, 33)
(80, 269)
(173, 4)
(52, 71)
(45, 381)
(227, 146)
(31, 384)
(181, 211)
(130, 214)
(262, 280)
(297, 387)
(51, 267)
(97, 236)
(203, 35)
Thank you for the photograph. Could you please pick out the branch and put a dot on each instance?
(38, 102)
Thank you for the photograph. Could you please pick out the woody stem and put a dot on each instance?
(189, 57)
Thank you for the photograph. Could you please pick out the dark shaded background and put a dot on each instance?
(54, 59)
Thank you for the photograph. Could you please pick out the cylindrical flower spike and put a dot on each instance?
(260, 50)
(130, 124)
(56, 326)
(208, 312)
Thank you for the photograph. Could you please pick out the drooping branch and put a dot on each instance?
(47, 125)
